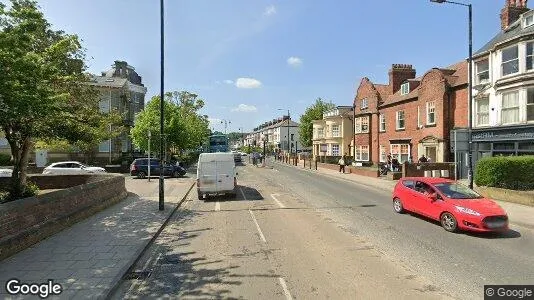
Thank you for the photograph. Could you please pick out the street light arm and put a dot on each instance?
(451, 2)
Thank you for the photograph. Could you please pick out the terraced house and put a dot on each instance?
(333, 135)
(410, 116)
(503, 104)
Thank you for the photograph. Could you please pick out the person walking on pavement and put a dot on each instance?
(341, 164)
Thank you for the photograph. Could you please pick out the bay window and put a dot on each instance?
(482, 111)
(510, 60)
(482, 69)
(510, 108)
(530, 105)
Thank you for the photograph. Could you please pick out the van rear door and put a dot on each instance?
(225, 175)
(208, 176)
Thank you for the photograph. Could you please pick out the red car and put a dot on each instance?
(456, 206)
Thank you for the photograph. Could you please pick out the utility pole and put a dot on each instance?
(149, 163)
(162, 108)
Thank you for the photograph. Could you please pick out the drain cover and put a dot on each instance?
(138, 275)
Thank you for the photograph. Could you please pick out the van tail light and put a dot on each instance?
(198, 182)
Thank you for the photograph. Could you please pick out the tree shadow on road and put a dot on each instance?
(249, 193)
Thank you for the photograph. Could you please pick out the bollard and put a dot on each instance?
(315, 165)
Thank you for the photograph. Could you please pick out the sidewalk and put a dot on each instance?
(90, 258)
(518, 214)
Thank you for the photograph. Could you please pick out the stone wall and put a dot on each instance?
(27, 221)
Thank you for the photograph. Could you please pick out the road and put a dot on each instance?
(296, 234)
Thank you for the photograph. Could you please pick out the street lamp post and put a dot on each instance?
(225, 122)
(470, 91)
(149, 164)
(161, 106)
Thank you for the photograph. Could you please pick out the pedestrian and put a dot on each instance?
(423, 159)
(389, 165)
(341, 163)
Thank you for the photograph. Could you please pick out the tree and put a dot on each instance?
(235, 136)
(313, 112)
(40, 72)
(184, 127)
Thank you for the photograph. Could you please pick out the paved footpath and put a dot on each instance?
(519, 214)
(89, 258)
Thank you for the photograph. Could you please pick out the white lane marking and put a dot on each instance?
(257, 226)
(243, 194)
(277, 201)
(217, 206)
(284, 287)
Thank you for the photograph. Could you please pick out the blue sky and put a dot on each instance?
(287, 53)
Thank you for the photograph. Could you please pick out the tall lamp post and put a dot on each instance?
(161, 107)
(470, 91)
(288, 121)
(225, 122)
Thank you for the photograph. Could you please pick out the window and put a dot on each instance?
(530, 56)
(483, 111)
(364, 104)
(510, 108)
(530, 104)
(528, 20)
(362, 153)
(335, 150)
(382, 122)
(361, 125)
(383, 156)
(431, 113)
(510, 61)
(401, 152)
(104, 146)
(320, 132)
(335, 131)
(482, 68)
(400, 119)
(405, 88)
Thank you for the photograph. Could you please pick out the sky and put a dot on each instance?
(251, 61)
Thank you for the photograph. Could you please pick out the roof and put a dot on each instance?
(108, 81)
(514, 31)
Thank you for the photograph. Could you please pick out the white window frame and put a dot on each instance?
(383, 155)
(359, 124)
(482, 114)
(528, 20)
(509, 61)
(399, 155)
(382, 122)
(336, 132)
(320, 133)
(529, 105)
(503, 109)
(365, 124)
(405, 88)
(335, 151)
(431, 110)
(479, 72)
(397, 120)
(362, 153)
(365, 104)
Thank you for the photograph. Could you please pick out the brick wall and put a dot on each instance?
(27, 221)
(418, 169)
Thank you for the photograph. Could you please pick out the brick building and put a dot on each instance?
(410, 116)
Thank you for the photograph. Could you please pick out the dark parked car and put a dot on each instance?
(139, 168)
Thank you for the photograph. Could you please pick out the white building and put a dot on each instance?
(276, 133)
(503, 87)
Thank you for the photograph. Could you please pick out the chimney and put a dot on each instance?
(512, 11)
(398, 74)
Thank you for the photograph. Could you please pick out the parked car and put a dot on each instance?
(6, 172)
(139, 168)
(455, 205)
(237, 157)
(216, 174)
(71, 168)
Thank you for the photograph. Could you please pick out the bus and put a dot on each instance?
(218, 143)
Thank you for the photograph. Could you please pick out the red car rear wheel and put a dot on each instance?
(397, 205)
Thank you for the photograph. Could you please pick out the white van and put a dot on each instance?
(216, 174)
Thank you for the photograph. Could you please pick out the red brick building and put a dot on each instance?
(410, 116)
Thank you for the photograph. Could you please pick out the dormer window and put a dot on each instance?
(528, 20)
(405, 88)
(365, 104)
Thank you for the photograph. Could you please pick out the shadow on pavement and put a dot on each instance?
(251, 194)
(181, 272)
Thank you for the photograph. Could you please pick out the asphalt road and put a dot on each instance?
(296, 234)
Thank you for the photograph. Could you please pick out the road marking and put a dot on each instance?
(257, 226)
(243, 194)
(277, 201)
(284, 287)
(217, 206)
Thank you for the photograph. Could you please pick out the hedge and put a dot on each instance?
(5, 160)
(508, 172)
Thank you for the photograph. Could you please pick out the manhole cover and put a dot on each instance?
(138, 275)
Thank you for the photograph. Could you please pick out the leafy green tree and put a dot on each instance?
(40, 72)
(313, 112)
(184, 127)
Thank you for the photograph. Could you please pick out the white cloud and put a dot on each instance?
(227, 81)
(294, 61)
(245, 108)
(269, 10)
(247, 83)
